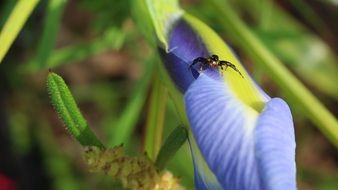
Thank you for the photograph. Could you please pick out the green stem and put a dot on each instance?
(155, 119)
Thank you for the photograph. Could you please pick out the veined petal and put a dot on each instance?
(275, 146)
(240, 146)
(223, 128)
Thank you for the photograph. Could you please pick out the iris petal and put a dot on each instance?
(224, 131)
(275, 146)
(236, 142)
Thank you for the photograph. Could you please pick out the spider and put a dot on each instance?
(214, 62)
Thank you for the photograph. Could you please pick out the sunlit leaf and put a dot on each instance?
(14, 24)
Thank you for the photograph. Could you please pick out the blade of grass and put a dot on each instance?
(5, 11)
(51, 27)
(68, 111)
(112, 39)
(155, 118)
(126, 124)
(174, 141)
(14, 24)
(295, 90)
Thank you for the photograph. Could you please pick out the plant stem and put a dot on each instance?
(155, 119)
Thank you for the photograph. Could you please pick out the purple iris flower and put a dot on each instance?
(241, 147)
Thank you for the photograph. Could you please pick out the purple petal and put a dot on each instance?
(185, 43)
(184, 46)
(233, 139)
(217, 120)
(275, 146)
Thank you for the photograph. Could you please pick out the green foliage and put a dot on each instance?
(14, 24)
(296, 46)
(104, 16)
(68, 111)
(174, 141)
(146, 116)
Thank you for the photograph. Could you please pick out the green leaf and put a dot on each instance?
(51, 27)
(295, 90)
(174, 142)
(14, 24)
(5, 11)
(68, 111)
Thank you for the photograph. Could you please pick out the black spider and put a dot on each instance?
(214, 62)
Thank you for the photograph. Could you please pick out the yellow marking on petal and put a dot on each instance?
(244, 88)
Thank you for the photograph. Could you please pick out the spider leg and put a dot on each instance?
(198, 60)
(228, 64)
(225, 64)
(234, 68)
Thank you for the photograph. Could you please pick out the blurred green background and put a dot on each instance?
(99, 50)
